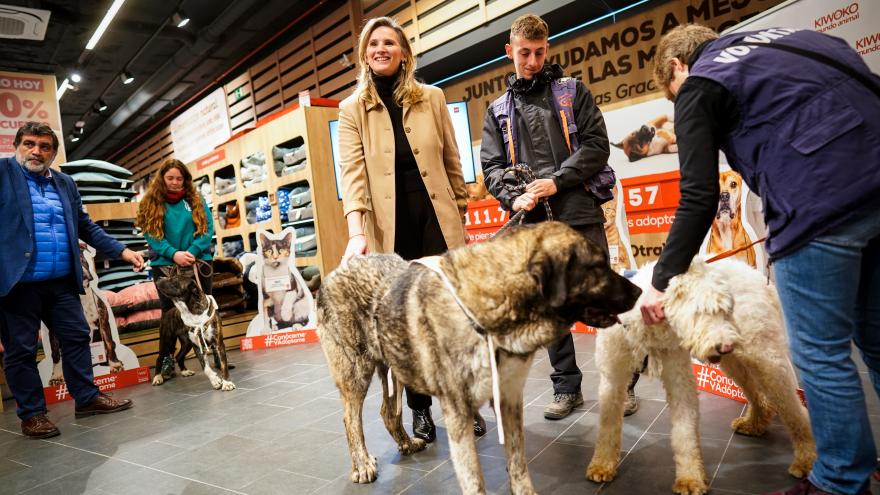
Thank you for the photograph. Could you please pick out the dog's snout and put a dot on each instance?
(725, 196)
(724, 348)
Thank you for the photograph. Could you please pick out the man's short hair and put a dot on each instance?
(679, 43)
(529, 27)
(35, 129)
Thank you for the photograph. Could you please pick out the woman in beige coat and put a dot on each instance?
(402, 184)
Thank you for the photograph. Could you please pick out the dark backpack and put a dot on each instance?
(601, 184)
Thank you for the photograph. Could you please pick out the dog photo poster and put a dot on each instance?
(284, 301)
(644, 155)
(108, 354)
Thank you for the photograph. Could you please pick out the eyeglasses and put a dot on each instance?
(44, 147)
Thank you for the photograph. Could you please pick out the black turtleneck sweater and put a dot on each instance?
(404, 160)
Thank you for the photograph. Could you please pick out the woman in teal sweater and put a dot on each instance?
(177, 225)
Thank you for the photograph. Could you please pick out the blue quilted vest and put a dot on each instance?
(52, 257)
(808, 140)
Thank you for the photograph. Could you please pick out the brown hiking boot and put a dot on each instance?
(39, 426)
(632, 403)
(562, 405)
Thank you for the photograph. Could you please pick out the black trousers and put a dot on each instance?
(566, 375)
(56, 303)
(416, 234)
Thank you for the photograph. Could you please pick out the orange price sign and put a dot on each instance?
(650, 202)
(485, 213)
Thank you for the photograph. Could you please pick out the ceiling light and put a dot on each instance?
(100, 105)
(108, 17)
(74, 138)
(179, 19)
(126, 77)
(75, 77)
(80, 131)
(62, 88)
(79, 124)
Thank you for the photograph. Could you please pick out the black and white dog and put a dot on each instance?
(194, 322)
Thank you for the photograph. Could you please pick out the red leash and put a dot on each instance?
(732, 252)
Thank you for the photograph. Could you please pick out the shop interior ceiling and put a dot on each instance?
(171, 65)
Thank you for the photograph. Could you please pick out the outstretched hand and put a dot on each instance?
(652, 306)
(133, 257)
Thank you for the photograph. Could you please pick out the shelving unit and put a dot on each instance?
(308, 126)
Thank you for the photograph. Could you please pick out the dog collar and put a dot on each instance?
(433, 264)
(198, 320)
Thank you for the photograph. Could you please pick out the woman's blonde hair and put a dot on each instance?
(407, 91)
(679, 43)
(151, 212)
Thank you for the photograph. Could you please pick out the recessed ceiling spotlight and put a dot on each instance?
(100, 105)
(179, 19)
(126, 77)
(75, 77)
(74, 138)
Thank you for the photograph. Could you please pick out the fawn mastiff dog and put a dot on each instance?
(520, 291)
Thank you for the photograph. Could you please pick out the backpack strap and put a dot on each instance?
(564, 90)
(504, 110)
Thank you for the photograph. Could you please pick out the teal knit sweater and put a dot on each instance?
(179, 230)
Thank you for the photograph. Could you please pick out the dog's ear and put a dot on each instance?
(550, 270)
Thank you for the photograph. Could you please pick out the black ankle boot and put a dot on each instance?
(479, 425)
(423, 425)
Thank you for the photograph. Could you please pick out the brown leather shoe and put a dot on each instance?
(103, 405)
(39, 426)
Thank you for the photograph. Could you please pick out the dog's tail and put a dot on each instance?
(618, 145)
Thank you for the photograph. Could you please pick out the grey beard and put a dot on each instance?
(38, 168)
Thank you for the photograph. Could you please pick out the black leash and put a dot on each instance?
(522, 176)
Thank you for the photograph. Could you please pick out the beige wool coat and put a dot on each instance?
(366, 146)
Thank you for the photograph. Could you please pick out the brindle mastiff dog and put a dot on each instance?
(524, 289)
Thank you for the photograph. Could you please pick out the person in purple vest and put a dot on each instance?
(41, 279)
(797, 113)
(529, 129)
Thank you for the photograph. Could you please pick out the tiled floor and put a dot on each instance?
(281, 432)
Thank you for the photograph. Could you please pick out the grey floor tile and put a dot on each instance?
(279, 482)
(442, 480)
(716, 414)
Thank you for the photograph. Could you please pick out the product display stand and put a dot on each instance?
(248, 193)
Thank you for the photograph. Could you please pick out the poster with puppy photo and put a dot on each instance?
(644, 155)
(109, 356)
(285, 302)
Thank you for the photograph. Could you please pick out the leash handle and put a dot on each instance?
(731, 252)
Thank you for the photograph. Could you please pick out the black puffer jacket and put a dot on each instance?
(543, 147)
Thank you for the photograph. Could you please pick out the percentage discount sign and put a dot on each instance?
(11, 107)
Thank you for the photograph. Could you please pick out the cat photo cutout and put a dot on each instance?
(284, 301)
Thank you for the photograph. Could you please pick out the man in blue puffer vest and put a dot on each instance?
(797, 113)
(41, 279)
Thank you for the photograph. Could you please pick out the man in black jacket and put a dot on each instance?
(540, 142)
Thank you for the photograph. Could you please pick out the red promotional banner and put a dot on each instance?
(483, 219)
(279, 339)
(105, 383)
(711, 379)
(26, 97)
(211, 158)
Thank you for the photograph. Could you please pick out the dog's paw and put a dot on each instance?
(227, 386)
(187, 373)
(688, 486)
(601, 471)
(115, 366)
(365, 472)
(216, 382)
(158, 380)
(743, 426)
(412, 446)
(802, 465)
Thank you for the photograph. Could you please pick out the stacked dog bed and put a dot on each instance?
(116, 274)
(136, 307)
(287, 161)
(99, 181)
(253, 169)
(228, 283)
